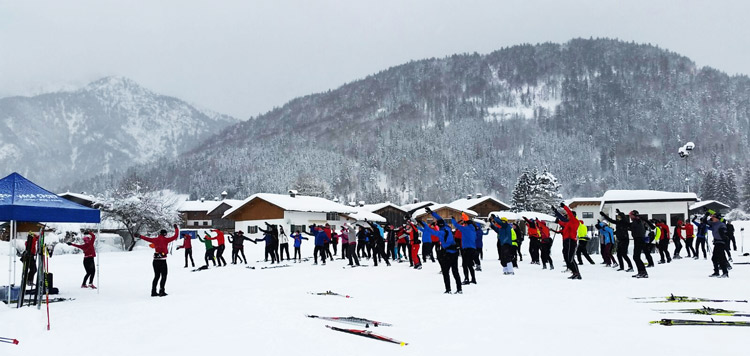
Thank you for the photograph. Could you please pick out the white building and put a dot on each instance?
(651, 204)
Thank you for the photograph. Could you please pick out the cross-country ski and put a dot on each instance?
(367, 334)
(351, 320)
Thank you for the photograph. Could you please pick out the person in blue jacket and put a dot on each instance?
(448, 255)
(427, 233)
(468, 248)
(297, 237)
(700, 236)
(320, 242)
(505, 242)
(606, 234)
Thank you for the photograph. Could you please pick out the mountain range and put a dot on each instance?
(101, 129)
(596, 113)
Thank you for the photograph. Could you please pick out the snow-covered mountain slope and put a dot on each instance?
(108, 125)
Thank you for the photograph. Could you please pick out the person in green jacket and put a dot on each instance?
(209, 250)
(583, 241)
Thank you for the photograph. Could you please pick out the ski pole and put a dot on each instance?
(742, 232)
(8, 340)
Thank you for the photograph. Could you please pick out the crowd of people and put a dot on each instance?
(447, 241)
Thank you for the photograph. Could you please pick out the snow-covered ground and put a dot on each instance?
(234, 310)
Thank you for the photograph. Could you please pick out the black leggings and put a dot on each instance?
(209, 256)
(702, 244)
(622, 253)
(220, 255)
(319, 250)
(90, 267)
(284, 248)
(448, 264)
(467, 260)
(583, 250)
(545, 248)
(297, 253)
(352, 254)
(569, 252)
(189, 253)
(160, 272)
(640, 247)
(689, 247)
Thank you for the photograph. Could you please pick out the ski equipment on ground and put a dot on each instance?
(368, 334)
(672, 322)
(705, 311)
(8, 340)
(351, 320)
(685, 299)
(276, 266)
(331, 293)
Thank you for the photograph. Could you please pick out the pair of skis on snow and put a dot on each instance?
(702, 311)
(8, 340)
(684, 299)
(330, 293)
(359, 321)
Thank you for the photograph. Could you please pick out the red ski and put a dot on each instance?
(368, 334)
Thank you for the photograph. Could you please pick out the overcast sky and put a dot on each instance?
(244, 57)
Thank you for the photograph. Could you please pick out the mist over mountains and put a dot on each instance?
(597, 113)
(111, 124)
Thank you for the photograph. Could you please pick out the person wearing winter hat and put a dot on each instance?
(210, 248)
(569, 223)
(504, 231)
(160, 258)
(220, 248)
(448, 255)
(297, 237)
(89, 252)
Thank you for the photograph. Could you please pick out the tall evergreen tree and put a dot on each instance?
(522, 191)
(729, 193)
(544, 192)
(745, 201)
(709, 186)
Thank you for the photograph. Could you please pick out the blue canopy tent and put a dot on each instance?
(22, 200)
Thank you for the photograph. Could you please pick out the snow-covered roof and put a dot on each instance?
(90, 198)
(582, 200)
(296, 203)
(465, 203)
(519, 215)
(412, 206)
(437, 207)
(197, 205)
(231, 202)
(707, 202)
(363, 213)
(375, 207)
(645, 195)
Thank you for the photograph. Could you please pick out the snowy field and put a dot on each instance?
(234, 310)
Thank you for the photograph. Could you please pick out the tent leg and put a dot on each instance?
(98, 269)
(11, 276)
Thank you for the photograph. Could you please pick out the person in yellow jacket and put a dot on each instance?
(583, 241)
(516, 252)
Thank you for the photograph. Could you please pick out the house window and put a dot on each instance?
(252, 229)
(205, 223)
(301, 228)
(195, 223)
(673, 218)
(587, 215)
(332, 216)
(659, 217)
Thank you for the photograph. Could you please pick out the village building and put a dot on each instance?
(482, 205)
(292, 211)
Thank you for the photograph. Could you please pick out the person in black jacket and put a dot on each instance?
(638, 227)
(719, 257)
(238, 247)
(623, 240)
(378, 244)
(271, 237)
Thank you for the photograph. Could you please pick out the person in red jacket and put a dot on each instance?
(677, 239)
(220, 248)
(413, 234)
(187, 244)
(663, 245)
(160, 258)
(569, 225)
(689, 236)
(89, 252)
